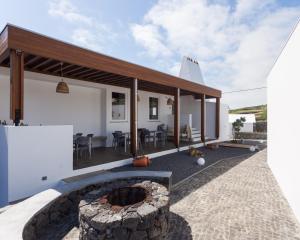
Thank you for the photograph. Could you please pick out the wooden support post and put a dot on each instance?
(16, 86)
(133, 117)
(203, 118)
(217, 117)
(177, 117)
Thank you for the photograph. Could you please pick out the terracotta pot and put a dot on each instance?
(142, 161)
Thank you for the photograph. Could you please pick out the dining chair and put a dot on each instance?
(82, 146)
(118, 139)
(90, 137)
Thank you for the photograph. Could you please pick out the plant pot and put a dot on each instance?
(142, 161)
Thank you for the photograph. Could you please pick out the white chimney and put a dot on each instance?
(190, 70)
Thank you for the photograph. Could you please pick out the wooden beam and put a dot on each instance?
(43, 46)
(217, 118)
(4, 56)
(203, 110)
(133, 117)
(4, 50)
(16, 86)
(177, 117)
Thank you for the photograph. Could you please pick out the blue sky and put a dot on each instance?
(235, 42)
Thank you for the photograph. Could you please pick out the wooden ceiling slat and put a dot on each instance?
(83, 72)
(89, 76)
(113, 79)
(75, 70)
(41, 64)
(103, 76)
(50, 67)
(32, 60)
(63, 68)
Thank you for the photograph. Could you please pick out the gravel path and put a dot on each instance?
(233, 199)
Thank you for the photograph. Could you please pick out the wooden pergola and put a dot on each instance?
(22, 50)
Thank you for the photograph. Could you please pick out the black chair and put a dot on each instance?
(118, 139)
(162, 134)
(82, 145)
(146, 136)
(90, 137)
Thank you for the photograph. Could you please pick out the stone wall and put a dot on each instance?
(61, 215)
(130, 219)
(254, 135)
(261, 127)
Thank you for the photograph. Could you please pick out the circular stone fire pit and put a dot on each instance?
(125, 211)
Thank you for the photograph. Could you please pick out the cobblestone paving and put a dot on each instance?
(234, 199)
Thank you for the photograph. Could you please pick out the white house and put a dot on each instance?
(283, 131)
(248, 124)
(104, 95)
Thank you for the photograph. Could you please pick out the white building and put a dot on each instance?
(284, 131)
(248, 124)
(105, 95)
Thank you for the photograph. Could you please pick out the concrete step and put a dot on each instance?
(197, 139)
(197, 135)
(195, 131)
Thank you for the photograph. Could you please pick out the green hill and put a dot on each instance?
(259, 111)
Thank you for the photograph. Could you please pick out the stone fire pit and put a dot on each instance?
(125, 211)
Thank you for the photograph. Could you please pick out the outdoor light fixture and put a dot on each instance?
(62, 87)
(170, 101)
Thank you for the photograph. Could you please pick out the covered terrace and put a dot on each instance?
(25, 51)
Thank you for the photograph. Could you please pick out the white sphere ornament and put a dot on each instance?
(252, 148)
(201, 161)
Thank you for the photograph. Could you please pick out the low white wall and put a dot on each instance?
(3, 167)
(32, 153)
(248, 127)
(283, 116)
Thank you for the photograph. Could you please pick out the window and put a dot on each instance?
(153, 108)
(118, 106)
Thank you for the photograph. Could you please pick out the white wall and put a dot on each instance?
(34, 152)
(3, 167)
(87, 107)
(42, 105)
(248, 127)
(190, 106)
(283, 116)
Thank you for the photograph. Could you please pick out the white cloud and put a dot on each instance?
(85, 38)
(66, 10)
(235, 45)
(149, 37)
(87, 32)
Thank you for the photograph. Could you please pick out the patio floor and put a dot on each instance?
(102, 155)
(184, 166)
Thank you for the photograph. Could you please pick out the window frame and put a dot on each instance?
(149, 109)
(125, 106)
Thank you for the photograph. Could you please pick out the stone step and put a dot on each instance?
(197, 139)
(196, 135)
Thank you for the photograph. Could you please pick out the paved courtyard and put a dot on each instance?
(234, 199)
(237, 198)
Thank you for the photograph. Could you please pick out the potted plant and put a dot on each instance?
(236, 127)
(141, 161)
